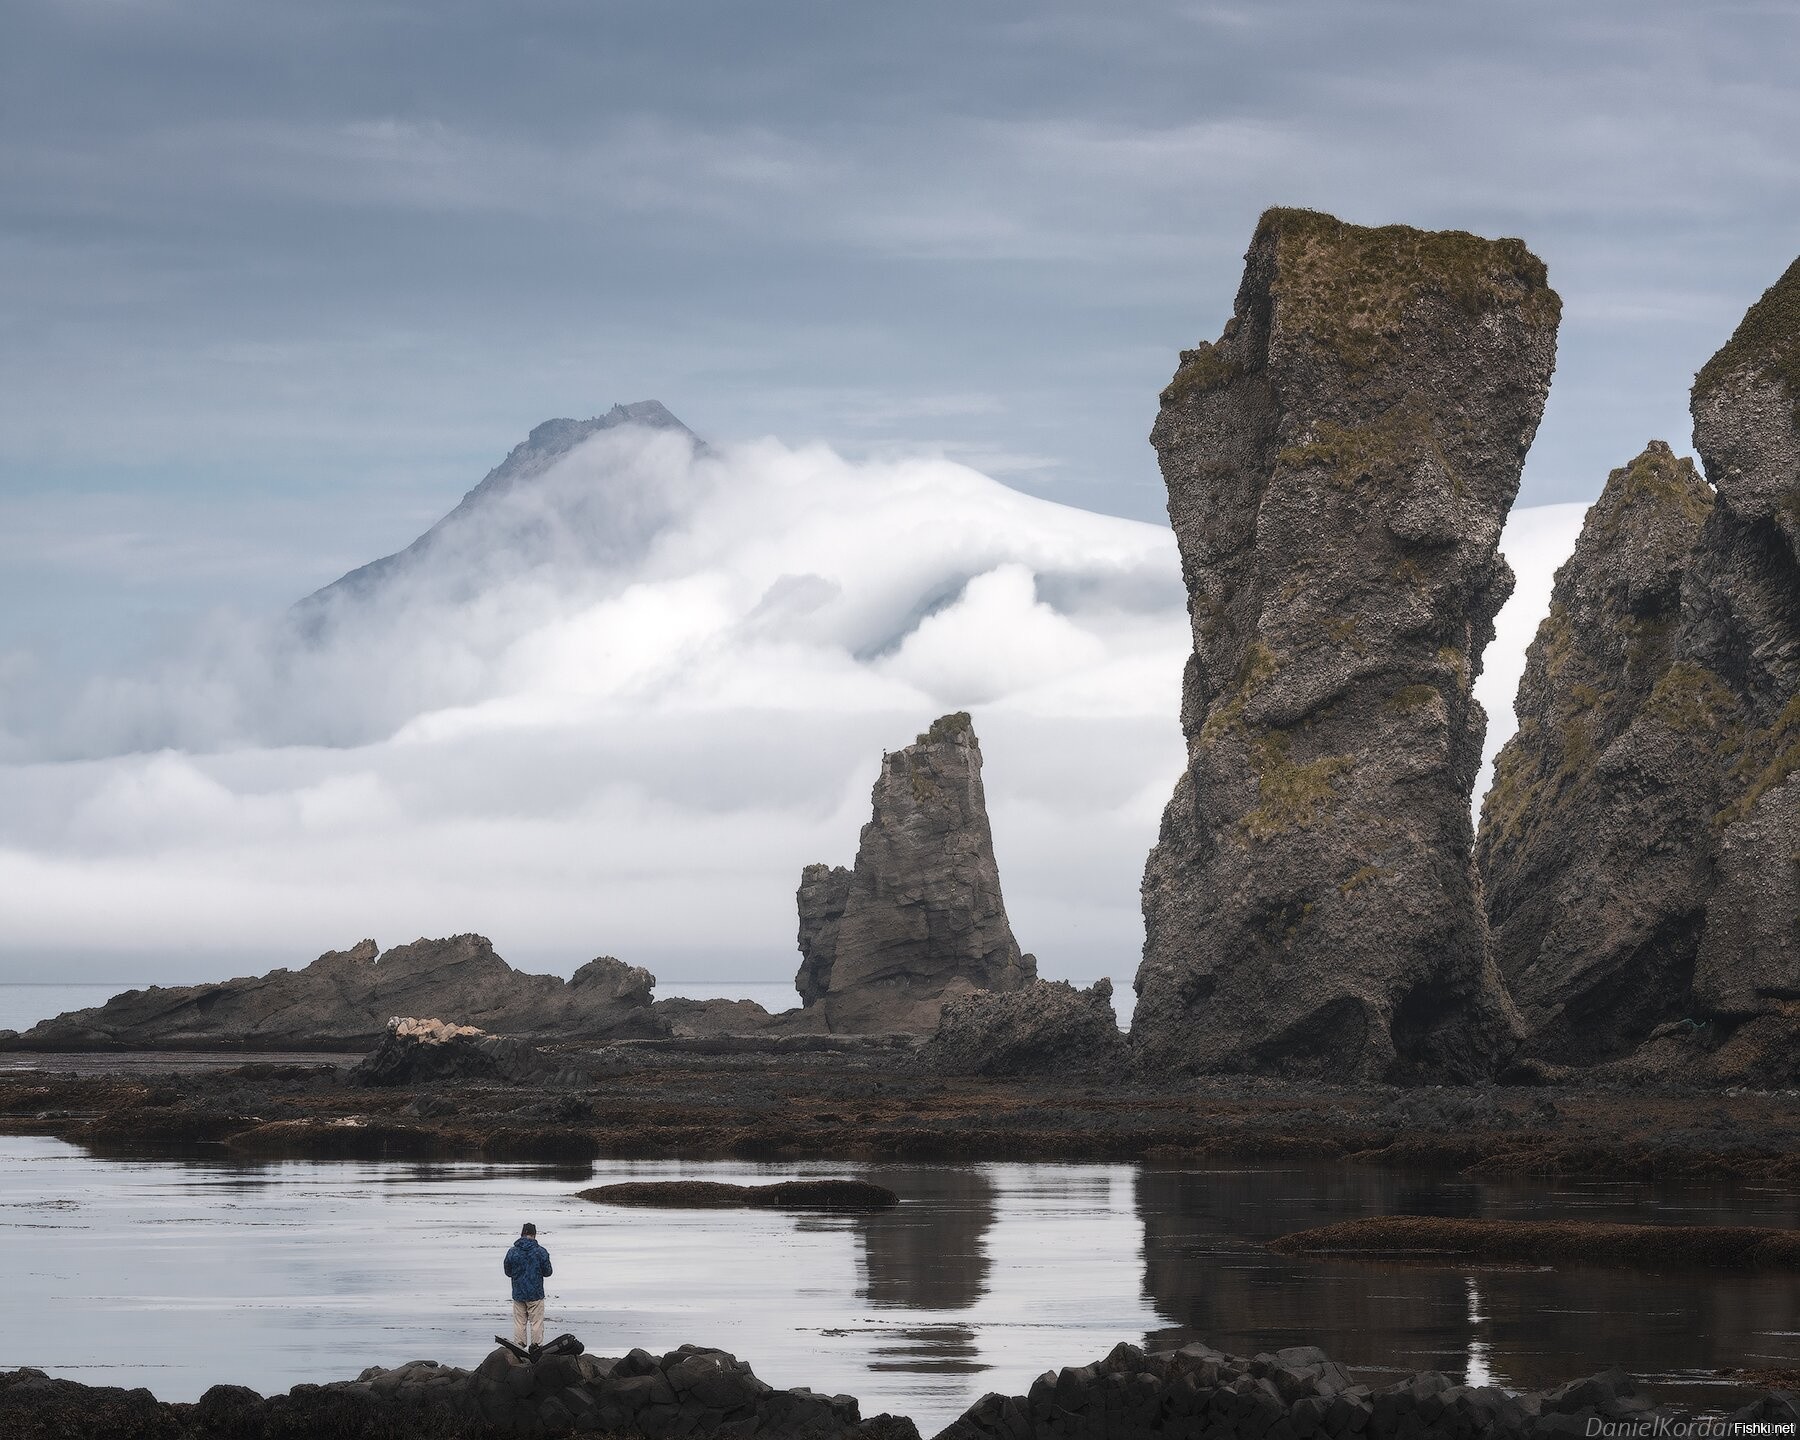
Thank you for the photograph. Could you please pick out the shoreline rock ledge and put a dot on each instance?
(1339, 465)
(919, 920)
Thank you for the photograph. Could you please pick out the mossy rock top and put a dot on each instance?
(1767, 341)
(957, 726)
(1349, 285)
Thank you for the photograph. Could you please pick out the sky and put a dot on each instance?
(278, 283)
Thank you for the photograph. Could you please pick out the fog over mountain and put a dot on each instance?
(612, 703)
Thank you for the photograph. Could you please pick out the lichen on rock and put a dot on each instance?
(1339, 465)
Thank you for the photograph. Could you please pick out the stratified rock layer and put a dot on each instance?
(345, 998)
(1641, 844)
(1045, 1028)
(920, 918)
(1339, 466)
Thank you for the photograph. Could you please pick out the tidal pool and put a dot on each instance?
(181, 1274)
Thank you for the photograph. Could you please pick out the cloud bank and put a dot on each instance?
(619, 713)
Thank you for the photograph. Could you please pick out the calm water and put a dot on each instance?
(177, 1275)
(23, 1005)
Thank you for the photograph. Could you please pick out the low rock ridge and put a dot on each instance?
(1339, 464)
(919, 919)
(345, 999)
(1045, 1028)
(418, 1051)
(1293, 1394)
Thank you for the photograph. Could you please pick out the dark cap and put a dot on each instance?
(528, 1229)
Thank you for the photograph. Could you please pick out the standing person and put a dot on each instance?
(527, 1263)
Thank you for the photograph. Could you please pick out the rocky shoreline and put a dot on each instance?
(654, 1100)
(1182, 1394)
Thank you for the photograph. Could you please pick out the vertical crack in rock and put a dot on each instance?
(1339, 466)
(1640, 847)
(920, 918)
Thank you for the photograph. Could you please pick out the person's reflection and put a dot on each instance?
(928, 1253)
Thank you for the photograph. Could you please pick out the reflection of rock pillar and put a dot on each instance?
(1207, 1273)
(929, 1253)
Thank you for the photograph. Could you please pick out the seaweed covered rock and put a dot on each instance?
(416, 1051)
(1046, 1028)
(345, 998)
(920, 918)
(1641, 844)
(1339, 465)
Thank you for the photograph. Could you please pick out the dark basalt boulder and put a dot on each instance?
(920, 919)
(1640, 847)
(1301, 1391)
(1047, 1028)
(345, 998)
(692, 1390)
(1339, 466)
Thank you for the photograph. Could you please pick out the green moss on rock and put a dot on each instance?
(1387, 449)
(1202, 369)
(1349, 286)
(1289, 793)
(1766, 342)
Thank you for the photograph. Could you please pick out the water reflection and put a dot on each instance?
(1206, 1271)
(929, 1253)
(181, 1275)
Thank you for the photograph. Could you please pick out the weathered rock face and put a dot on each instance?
(920, 917)
(1339, 467)
(1594, 914)
(1045, 1028)
(1741, 623)
(345, 998)
(1641, 844)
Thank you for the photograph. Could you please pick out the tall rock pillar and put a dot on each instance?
(919, 919)
(1339, 465)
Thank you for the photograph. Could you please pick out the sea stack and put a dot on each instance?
(1339, 466)
(919, 919)
(1641, 844)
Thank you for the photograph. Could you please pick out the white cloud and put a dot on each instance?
(668, 692)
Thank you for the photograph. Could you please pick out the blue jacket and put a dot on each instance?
(528, 1263)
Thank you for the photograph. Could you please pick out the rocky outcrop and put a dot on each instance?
(1594, 914)
(1046, 1028)
(919, 920)
(1339, 466)
(1132, 1394)
(1301, 1391)
(415, 1052)
(345, 998)
(692, 1390)
(1641, 844)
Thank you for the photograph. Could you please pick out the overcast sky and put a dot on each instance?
(279, 281)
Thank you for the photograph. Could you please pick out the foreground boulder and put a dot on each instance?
(1300, 1392)
(345, 998)
(1047, 1028)
(689, 1391)
(418, 1051)
(919, 920)
(1195, 1391)
(1640, 847)
(1339, 466)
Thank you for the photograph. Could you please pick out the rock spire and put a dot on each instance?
(920, 918)
(1339, 466)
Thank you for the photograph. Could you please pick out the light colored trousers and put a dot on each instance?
(528, 1314)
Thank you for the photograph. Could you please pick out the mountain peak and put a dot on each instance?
(538, 452)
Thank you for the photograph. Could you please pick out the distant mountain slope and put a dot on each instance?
(498, 526)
